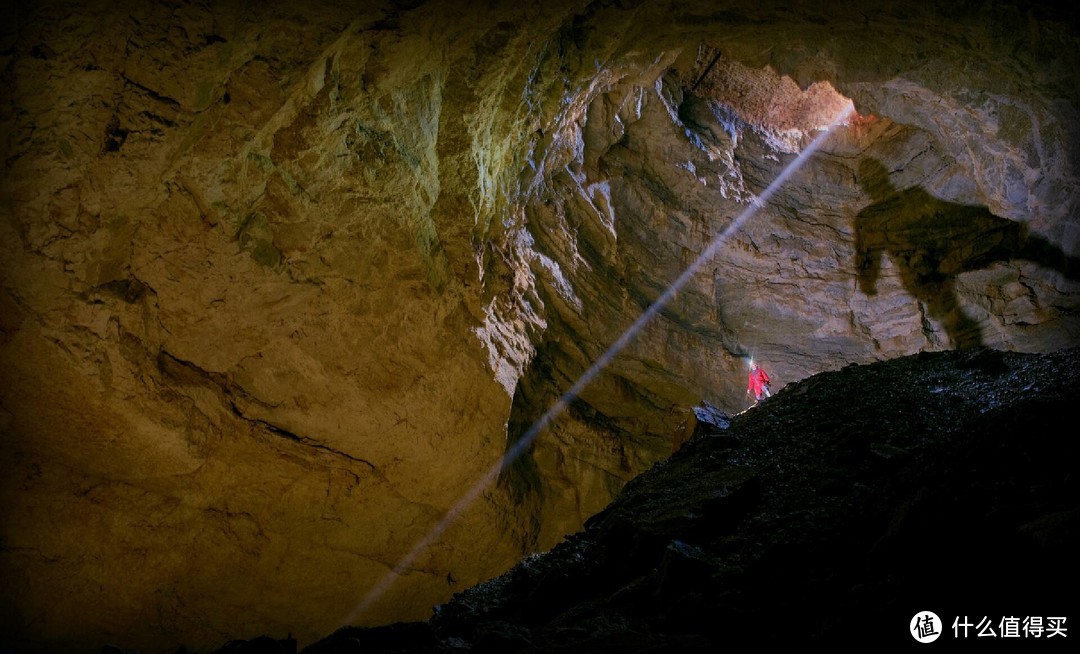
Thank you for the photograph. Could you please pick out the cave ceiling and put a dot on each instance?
(281, 282)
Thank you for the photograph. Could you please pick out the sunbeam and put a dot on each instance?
(523, 443)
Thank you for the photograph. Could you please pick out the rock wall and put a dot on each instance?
(281, 282)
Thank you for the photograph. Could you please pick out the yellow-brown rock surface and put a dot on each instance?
(280, 281)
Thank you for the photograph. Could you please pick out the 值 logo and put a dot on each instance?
(925, 626)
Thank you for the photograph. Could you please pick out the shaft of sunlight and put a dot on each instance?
(587, 377)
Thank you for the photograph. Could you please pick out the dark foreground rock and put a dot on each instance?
(832, 513)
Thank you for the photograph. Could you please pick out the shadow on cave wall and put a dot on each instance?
(527, 482)
(931, 242)
(520, 477)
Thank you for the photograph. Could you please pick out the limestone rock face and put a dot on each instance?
(282, 282)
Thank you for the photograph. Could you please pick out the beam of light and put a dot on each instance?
(523, 443)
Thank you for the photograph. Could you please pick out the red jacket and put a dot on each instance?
(758, 380)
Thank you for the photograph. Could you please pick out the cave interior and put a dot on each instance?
(317, 314)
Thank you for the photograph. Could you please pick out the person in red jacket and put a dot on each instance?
(758, 383)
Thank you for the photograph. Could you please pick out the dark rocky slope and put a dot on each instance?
(832, 513)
